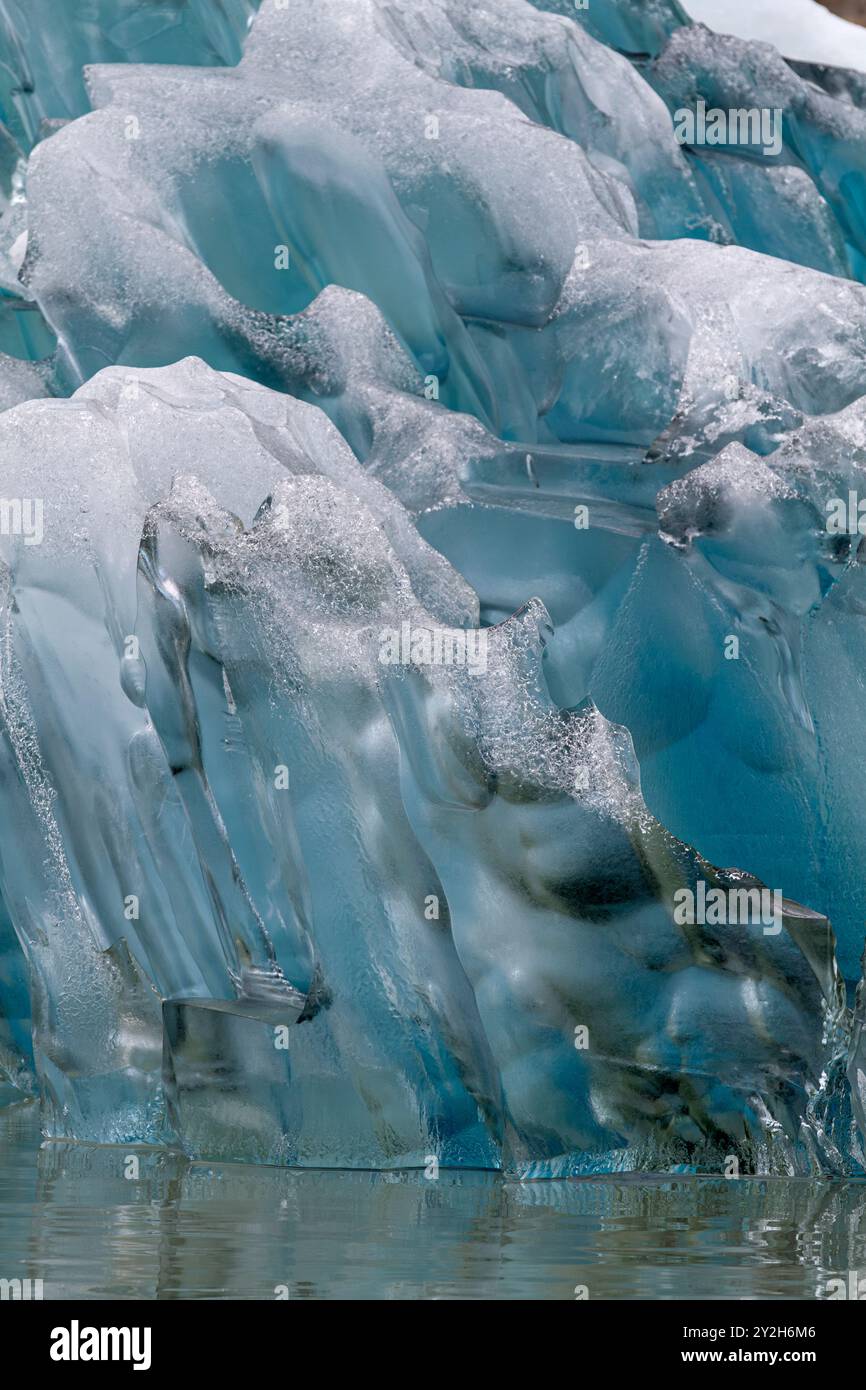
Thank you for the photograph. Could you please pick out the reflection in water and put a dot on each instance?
(190, 1230)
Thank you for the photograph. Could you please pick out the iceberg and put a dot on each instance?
(432, 644)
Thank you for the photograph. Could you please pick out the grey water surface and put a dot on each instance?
(70, 1217)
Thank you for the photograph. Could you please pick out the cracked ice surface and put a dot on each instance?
(432, 641)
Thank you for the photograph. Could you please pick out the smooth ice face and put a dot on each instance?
(633, 26)
(565, 897)
(389, 891)
(45, 48)
(141, 776)
(431, 586)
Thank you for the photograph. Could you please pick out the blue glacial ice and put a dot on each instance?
(432, 612)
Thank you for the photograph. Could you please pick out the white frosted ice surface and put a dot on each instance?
(798, 28)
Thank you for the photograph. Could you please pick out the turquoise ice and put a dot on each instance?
(431, 574)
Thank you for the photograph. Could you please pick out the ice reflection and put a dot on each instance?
(69, 1216)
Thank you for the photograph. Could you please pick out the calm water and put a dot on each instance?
(186, 1230)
